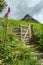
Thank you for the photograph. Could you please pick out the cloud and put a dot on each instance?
(39, 16)
(23, 7)
(30, 3)
(19, 8)
(37, 9)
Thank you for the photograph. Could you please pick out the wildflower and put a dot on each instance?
(6, 15)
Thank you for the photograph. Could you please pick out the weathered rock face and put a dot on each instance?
(28, 18)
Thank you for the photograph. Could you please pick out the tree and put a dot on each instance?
(2, 5)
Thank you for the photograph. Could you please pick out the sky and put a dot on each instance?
(19, 8)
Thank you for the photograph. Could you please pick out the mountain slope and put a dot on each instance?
(28, 18)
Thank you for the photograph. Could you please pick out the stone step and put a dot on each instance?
(41, 63)
(27, 36)
(41, 60)
(17, 33)
(26, 39)
(24, 30)
(40, 55)
(30, 45)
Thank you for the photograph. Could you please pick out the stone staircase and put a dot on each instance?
(24, 33)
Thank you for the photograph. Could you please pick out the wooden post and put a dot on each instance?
(32, 30)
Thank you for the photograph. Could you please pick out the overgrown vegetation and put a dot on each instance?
(39, 36)
(13, 51)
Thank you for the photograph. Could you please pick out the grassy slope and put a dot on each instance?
(37, 26)
(19, 22)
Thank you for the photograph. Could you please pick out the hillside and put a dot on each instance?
(13, 50)
(11, 21)
(18, 21)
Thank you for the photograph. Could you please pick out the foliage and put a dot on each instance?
(39, 38)
(13, 51)
(2, 5)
